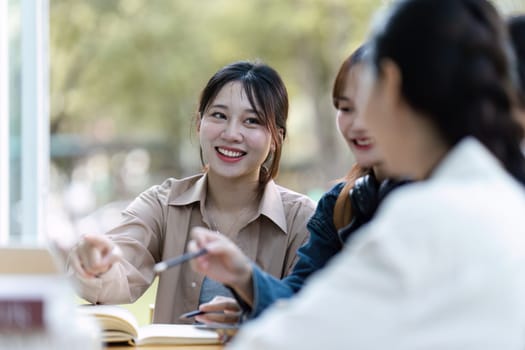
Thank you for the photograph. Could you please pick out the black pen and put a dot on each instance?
(164, 265)
(199, 312)
(192, 314)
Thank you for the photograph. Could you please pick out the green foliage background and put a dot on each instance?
(133, 70)
(129, 73)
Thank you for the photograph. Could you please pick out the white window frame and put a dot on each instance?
(35, 119)
(4, 124)
(34, 138)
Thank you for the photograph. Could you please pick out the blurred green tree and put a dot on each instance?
(133, 69)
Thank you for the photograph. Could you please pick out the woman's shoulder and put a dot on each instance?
(325, 205)
(331, 194)
(329, 198)
(334, 191)
(320, 208)
(451, 206)
(182, 184)
(173, 187)
(290, 197)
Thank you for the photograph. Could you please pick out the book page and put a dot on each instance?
(117, 337)
(175, 334)
(112, 318)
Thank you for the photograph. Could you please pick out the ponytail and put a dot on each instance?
(342, 208)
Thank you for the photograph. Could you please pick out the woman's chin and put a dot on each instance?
(366, 162)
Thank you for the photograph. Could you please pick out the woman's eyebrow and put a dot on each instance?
(251, 110)
(225, 107)
(218, 105)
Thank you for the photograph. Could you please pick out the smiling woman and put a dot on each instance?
(241, 123)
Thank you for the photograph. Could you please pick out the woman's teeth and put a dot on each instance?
(229, 153)
(364, 142)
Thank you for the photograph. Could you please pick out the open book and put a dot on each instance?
(119, 325)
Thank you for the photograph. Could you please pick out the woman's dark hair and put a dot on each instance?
(454, 60)
(268, 98)
(342, 75)
(516, 25)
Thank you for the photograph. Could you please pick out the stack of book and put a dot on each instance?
(36, 301)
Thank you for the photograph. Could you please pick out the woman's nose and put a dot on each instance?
(232, 131)
(359, 122)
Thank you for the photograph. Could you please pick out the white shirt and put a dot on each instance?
(442, 266)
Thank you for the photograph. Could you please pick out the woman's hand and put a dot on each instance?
(220, 310)
(93, 255)
(224, 262)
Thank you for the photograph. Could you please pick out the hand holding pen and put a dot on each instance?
(219, 310)
(224, 262)
(164, 265)
(217, 257)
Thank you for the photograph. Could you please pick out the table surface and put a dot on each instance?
(166, 347)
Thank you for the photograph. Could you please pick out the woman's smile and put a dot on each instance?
(230, 155)
(363, 144)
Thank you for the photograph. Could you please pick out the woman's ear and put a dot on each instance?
(199, 118)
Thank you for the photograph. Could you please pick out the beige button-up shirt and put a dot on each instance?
(156, 226)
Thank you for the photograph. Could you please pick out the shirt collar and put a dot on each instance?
(194, 191)
(271, 204)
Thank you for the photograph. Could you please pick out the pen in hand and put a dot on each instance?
(164, 265)
(192, 314)
(200, 312)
